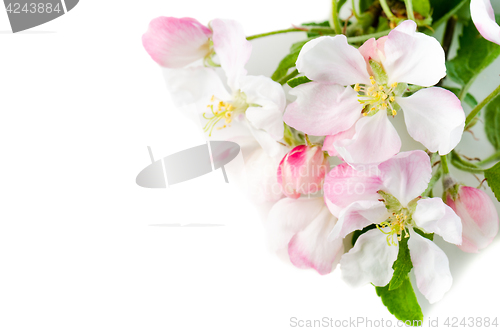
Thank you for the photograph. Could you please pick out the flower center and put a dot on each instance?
(226, 110)
(377, 97)
(397, 224)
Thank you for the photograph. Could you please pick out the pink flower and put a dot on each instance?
(302, 171)
(176, 42)
(483, 17)
(301, 227)
(388, 195)
(355, 119)
(479, 218)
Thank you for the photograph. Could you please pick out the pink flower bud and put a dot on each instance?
(479, 218)
(302, 171)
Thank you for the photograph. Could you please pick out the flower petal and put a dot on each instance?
(271, 101)
(310, 248)
(435, 118)
(483, 17)
(406, 175)
(357, 216)
(433, 216)
(332, 60)
(375, 141)
(323, 109)
(373, 49)
(413, 57)
(369, 261)
(479, 218)
(176, 42)
(329, 142)
(232, 48)
(289, 216)
(431, 267)
(345, 185)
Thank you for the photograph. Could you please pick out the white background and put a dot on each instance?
(80, 100)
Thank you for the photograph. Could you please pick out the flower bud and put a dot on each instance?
(479, 217)
(302, 170)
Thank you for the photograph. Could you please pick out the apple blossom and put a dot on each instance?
(479, 217)
(389, 196)
(302, 170)
(483, 16)
(355, 118)
(301, 226)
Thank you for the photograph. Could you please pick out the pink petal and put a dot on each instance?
(232, 48)
(413, 57)
(359, 215)
(332, 60)
(310, 248)
(435, 118)
(483, 17)
(369, 261)
(290, 216)
(373, 49)
(479, 218)
(344, 185)
(176, 42)
(323, 109)
(329, 142)
(433, 216)
(406, 175)
(431, 267)
(375, 141)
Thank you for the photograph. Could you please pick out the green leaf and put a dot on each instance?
(429, 236)
(289, 60)
(401, 302)
(441, 7)
(364, 5)
(469, 98)
(401, 266)
(474, 55)
(321, 24)
(298, 81)
(492, 122)
(493, 177)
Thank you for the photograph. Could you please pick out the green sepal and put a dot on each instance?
(378, 72)
(391, 203)
(401, 266)
(294, 82)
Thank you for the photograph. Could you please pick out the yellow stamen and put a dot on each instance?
(356, 88)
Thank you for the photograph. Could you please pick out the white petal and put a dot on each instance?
(483, 17)
(413, 57)
(435, 118)
(345, 185)
(332, 60)
(406, 175)
(431, 267)
(310, 248)
(265, 140)
(270, 96)
(433, 216)
(369, 261)
(290, 216)
(357, 216)
(232, 48)
(323, 109)
(375, 141)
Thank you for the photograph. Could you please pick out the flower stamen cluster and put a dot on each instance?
(377, 97)
(224, 110)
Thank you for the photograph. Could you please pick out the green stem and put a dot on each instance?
(368, 36)
(409, 10)
(387, 10)
(491, 158)
(432, 182)
(483, 103)
(334, 18)
(461, 164)
(444, 165)
(465, 89)
(301, 29)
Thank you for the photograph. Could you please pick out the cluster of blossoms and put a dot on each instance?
(344, 110)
